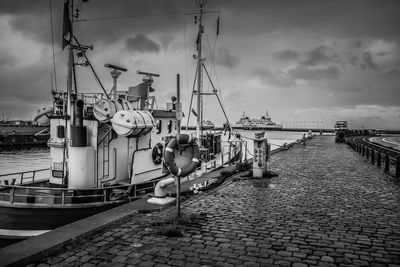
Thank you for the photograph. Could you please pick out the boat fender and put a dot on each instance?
(157, 153)
(181, 139)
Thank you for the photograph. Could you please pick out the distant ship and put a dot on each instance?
(264, 123)
(341, 125)
(207, 124)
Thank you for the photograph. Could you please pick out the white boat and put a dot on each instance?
(105, 149)
(264, 123)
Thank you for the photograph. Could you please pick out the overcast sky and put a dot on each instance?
(308, 62)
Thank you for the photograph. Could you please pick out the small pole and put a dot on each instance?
(178, 198)
(379, 159)
(386, 163)
(178, 180)
(367, 153)
(397, 174)
(372, 156)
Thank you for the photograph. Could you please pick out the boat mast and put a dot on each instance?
(199, 129)
(67, 41)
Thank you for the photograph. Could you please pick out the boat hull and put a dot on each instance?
(30, 220)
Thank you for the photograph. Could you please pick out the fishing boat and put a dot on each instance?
(264, 123)
(106, 148)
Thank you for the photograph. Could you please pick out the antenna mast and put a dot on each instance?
(199, 129)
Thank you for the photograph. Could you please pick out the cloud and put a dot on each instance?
(320, 55)
(140, 43)
(6, 60)
(225, 58)
(278, 78)
(392, 71)
(313, 74)
(368, 62)
(286, 55)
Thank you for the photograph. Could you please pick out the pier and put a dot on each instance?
(328, 207)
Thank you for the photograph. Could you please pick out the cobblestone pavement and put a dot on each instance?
(327, 207)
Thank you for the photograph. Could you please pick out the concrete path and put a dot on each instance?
(327, 207)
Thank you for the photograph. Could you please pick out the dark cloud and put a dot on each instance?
(354, 60)
(358, 43)
(320, 55)
(392, 71)
(314, 74)
(286, 55)
(140, 43)
(368, 62)
(225, 58)
(7, 60)
(277, 78)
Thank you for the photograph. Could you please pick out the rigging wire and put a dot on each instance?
(212, 63)
(52, 44)
(133, 16)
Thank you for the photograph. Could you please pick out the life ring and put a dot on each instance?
(181, 139)
(157, 153)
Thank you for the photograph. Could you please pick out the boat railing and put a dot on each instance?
(24, 177)
(44, 196)
(229, 154)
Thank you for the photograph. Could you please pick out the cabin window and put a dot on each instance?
(158, 126)
(169, 126)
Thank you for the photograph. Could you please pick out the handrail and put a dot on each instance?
(368, 149)
(19, 173)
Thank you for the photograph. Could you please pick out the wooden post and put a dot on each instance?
(363, 151)
(372, 156)
(367, 153)
(397, 174)
(387, 160)
(379, 159)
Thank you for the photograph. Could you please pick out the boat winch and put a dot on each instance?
(132, 122)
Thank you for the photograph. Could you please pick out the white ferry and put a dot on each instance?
(264, 123)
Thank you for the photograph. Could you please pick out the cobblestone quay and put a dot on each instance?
(327, 207)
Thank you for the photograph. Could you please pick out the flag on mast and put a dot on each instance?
(67, 33)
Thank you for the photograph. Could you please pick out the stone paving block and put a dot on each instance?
(327, 208)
